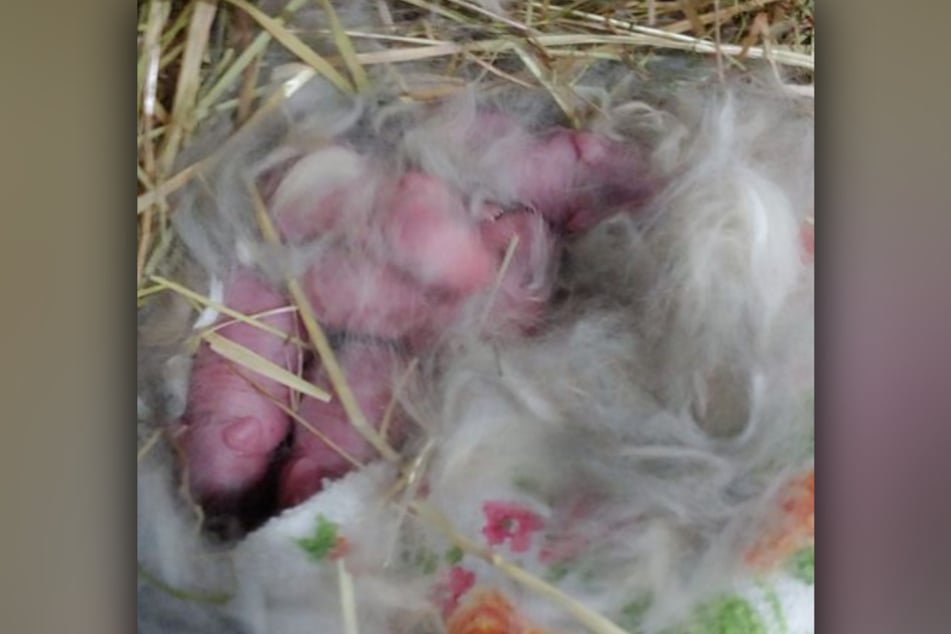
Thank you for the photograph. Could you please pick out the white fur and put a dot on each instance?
(208, 316)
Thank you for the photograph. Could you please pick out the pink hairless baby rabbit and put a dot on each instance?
(401, 257)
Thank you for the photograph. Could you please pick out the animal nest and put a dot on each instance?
(474, 316)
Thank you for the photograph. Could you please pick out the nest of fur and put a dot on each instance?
(635, 448)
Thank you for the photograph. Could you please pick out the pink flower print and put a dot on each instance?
(510, 522)
(449, 591)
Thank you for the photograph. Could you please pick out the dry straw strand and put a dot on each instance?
(295, 45)
(328, 359)
(236, 353)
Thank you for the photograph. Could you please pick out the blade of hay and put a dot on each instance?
(692, 17)
(409, 482)
(163, 283)
(717, 39)
(442, 49)
(156, 167)
(596, 623)
(183, 177)
(489, 67)
(494, 291)
(391, 406)
(319, 434)
(189, 79)
(551, 15)
(244, 32)
(229, 76)
(139, 170)
(146, 291)
(243, 356)
(348, 605)
(406, 39)
(385, 16)
(248, 91)
(178, 25)
(411, 475)
(223, 64)
(234, 104)
(345, 46)
(718, 15)
(249, 54)
(662, 39)
(754, 33)
(295, 45)
(768, 48)
(491, 14)
(438, 10)
(299, 343)
(302, 421)
(148, 445)
(151, 57)
(408, 486)
(260, 315)
(172, 184)
(337, 378)
(166, 238)
(150, 48)
(654, 38)
(171, 55)
(557, 91)
(319, 339)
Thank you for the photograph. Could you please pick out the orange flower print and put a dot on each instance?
(488, 612)
(794, 528)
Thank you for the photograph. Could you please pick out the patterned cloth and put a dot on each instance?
(777, 597)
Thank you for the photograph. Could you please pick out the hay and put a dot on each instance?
(198, 58)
